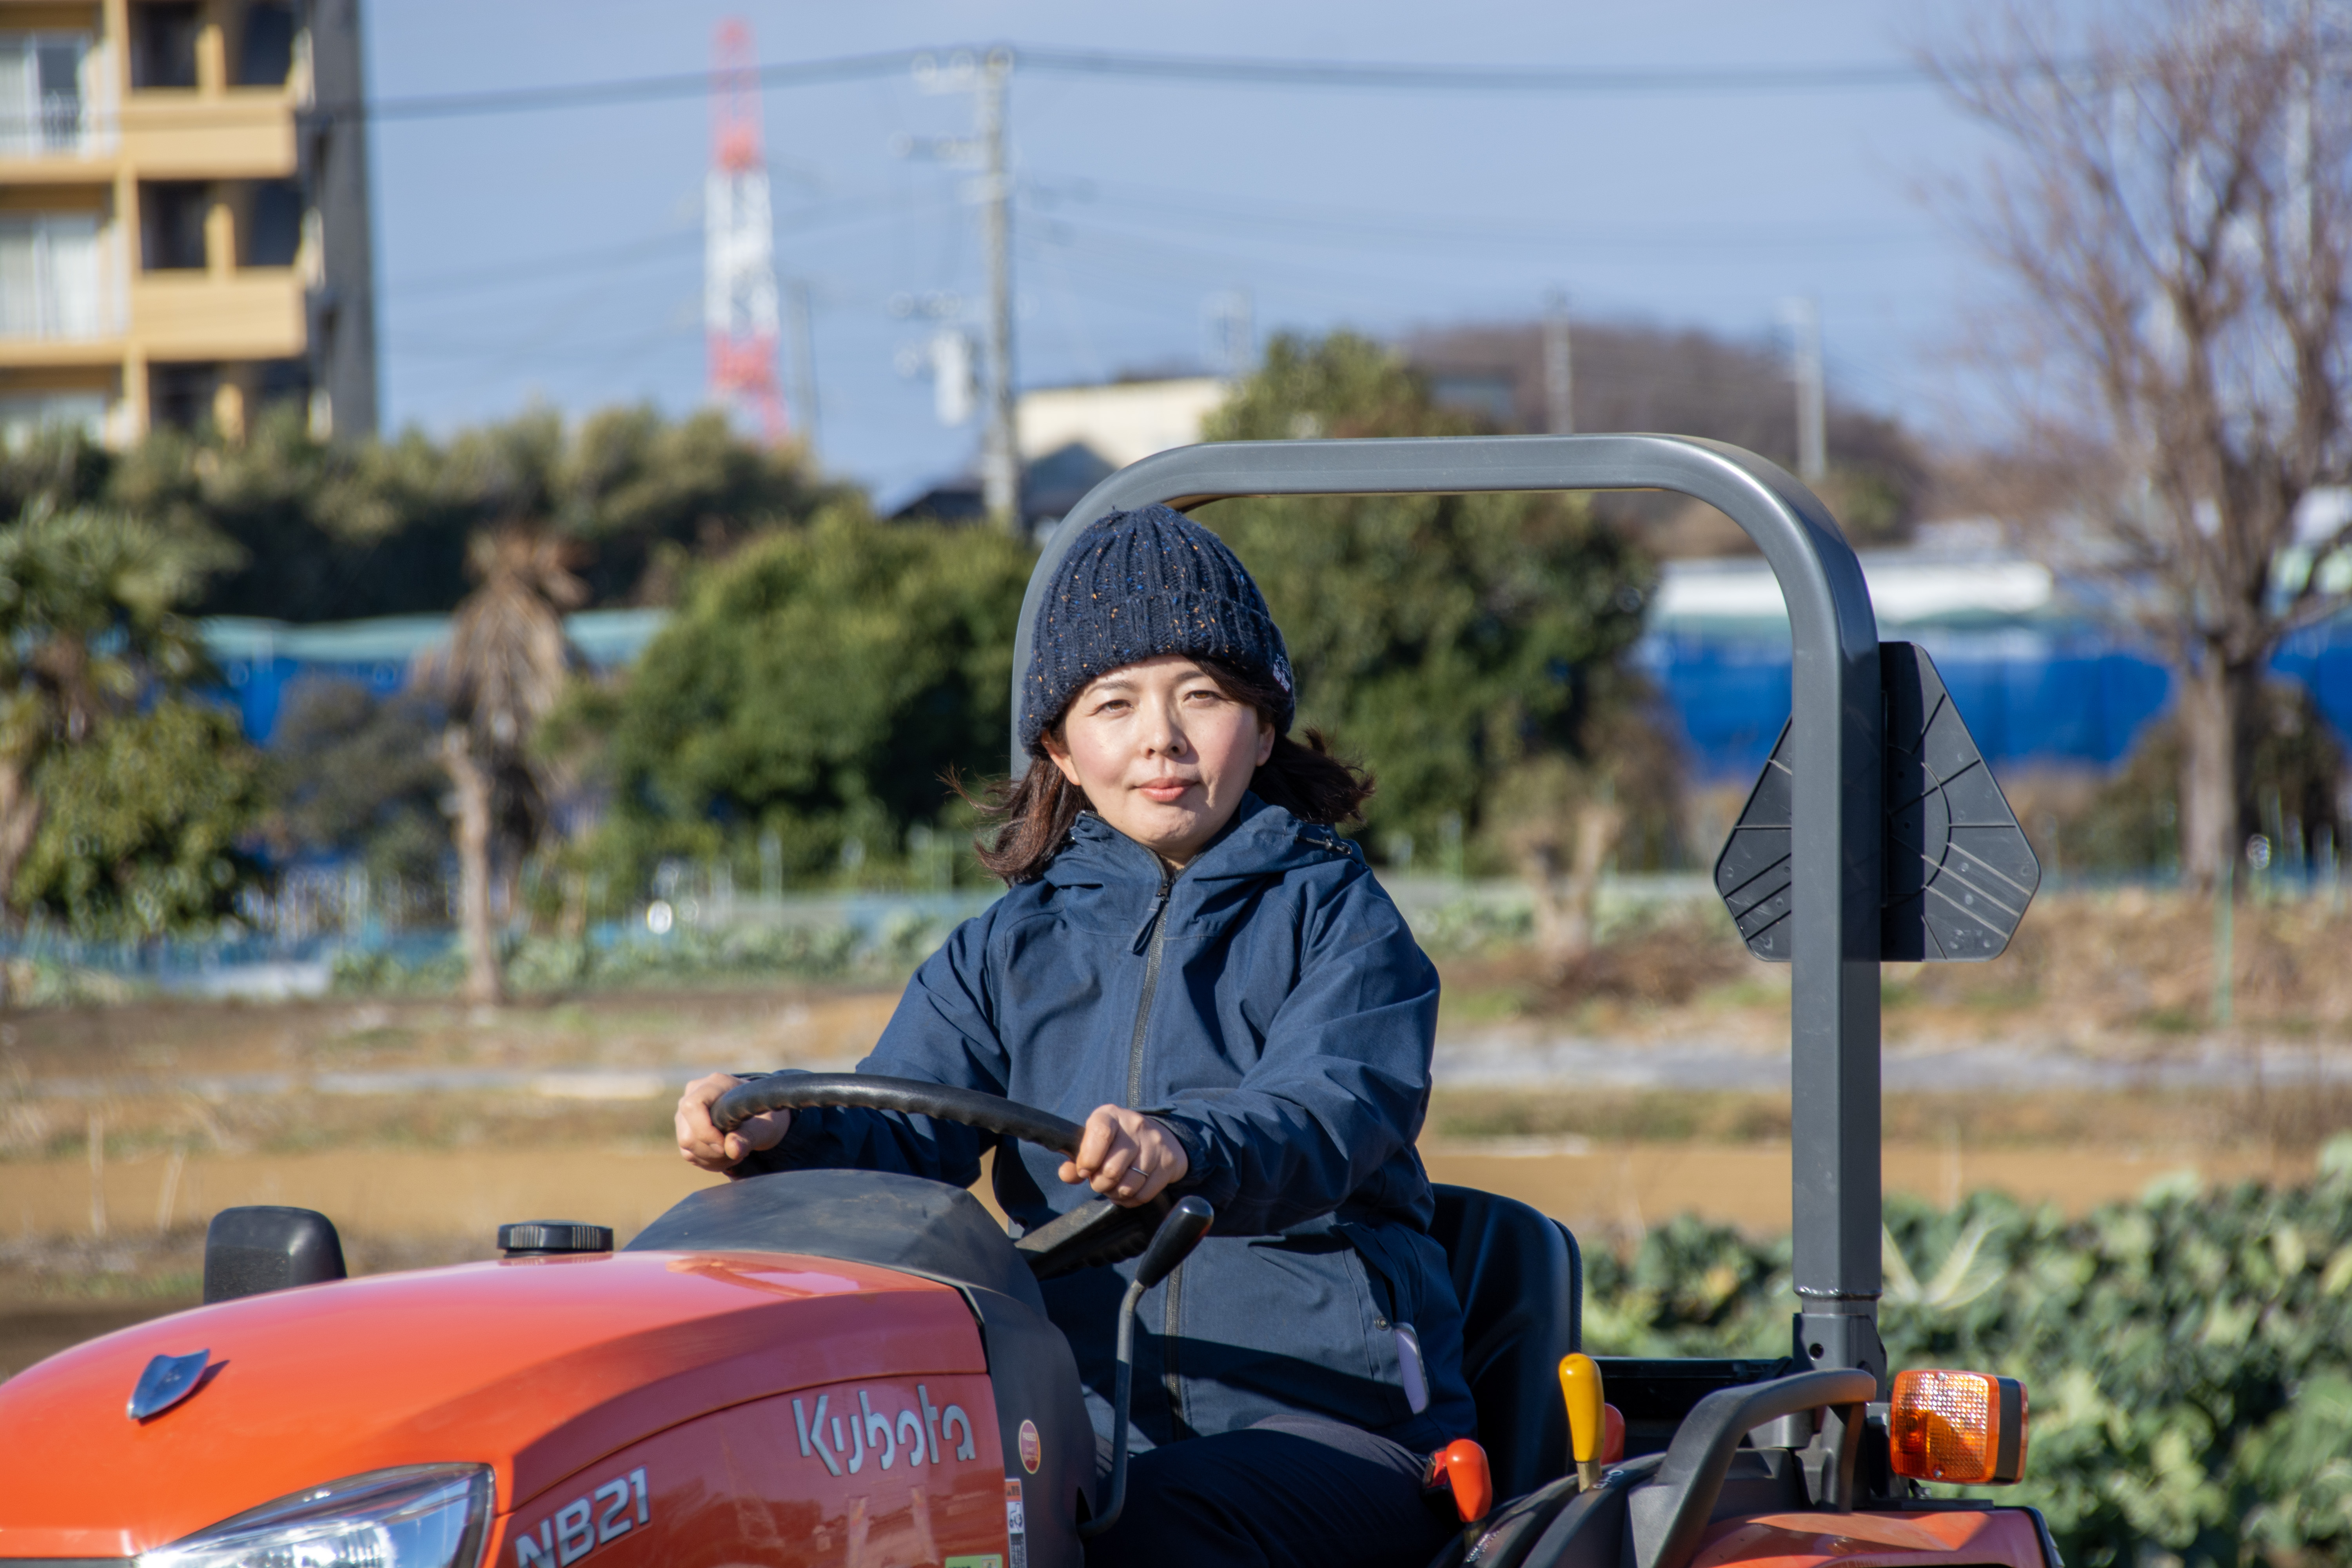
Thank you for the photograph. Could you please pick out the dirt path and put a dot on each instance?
(1594, 1186)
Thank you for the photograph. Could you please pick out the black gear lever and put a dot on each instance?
(1174, 1242)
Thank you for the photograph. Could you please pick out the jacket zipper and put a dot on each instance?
(1171, 1377)
(1158, 926)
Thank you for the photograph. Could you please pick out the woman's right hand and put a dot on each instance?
(706, 1148)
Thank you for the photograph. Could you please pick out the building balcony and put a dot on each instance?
(54, 142)
(236, 134)
(239, 133)
(257, 313)
(254, 313)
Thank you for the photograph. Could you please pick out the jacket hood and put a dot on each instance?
(1262, 840)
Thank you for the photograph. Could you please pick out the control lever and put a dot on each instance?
(1596, 1432)
(1174, 1242)
(1460, 1468)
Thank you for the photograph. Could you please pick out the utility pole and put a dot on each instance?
(1230, 334)
(999, 461)
(1560, 370)
(803, 340)
(1803, 316)
(986, 78)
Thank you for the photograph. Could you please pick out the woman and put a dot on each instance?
(1190, 961)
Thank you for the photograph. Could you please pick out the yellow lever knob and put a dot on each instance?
(1579, 1386)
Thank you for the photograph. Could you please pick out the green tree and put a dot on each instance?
(817, 686)
(333, 532)
(140, 836)
(57, 467)
(1468, 649)
(349, 772)
(90, 624)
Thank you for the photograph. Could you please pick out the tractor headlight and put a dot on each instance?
(420, 1516)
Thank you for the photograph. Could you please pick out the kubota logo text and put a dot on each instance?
(913, 1433)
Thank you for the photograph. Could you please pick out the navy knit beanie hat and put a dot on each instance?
(1137, 584)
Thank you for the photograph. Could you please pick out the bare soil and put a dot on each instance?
(230, 1078)
(2124, 972)
(123, 1127)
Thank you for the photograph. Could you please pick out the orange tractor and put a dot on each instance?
(846, 1369)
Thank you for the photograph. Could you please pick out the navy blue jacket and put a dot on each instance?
(1270, 1004)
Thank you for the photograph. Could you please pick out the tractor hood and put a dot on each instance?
(534, 1367)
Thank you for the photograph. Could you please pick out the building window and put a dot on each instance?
(265, 56)
(163, 42)
(273, 224)
(50, 284)
(42, 106)
(25, 415)
(181, 396)
(171, 224)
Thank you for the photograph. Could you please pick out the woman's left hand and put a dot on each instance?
(1127, 1157)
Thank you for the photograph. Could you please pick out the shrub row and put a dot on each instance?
(2188, 1357)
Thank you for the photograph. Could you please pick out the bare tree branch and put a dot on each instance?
(2174, 216)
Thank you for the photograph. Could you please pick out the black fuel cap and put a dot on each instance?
(545, 1238)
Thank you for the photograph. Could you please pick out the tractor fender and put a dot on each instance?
(1041, 1418)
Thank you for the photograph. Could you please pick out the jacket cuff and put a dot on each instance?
(793, 1152)
(1206, 1174)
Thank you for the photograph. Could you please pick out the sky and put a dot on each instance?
(555, 256)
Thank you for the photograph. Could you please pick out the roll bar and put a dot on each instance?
(1837, 728)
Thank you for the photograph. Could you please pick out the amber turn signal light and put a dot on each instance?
(1964, 1428)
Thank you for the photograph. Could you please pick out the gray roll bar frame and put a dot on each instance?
(1838, 727)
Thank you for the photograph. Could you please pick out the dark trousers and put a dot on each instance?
(1293, 1491)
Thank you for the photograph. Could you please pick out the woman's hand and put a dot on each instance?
(1126, 1156)
(698, 1137)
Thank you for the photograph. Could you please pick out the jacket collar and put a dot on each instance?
(1262, 840)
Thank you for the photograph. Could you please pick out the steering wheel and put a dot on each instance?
(1093, 1233)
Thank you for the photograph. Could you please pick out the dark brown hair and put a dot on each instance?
(1034, 813)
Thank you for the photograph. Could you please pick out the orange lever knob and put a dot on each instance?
(1462, 1465)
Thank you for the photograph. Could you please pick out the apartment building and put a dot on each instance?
(184, 216)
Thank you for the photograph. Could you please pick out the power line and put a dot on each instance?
(793, 222)
(615, 90)
(1472, 78)
(1360, 76)
(1432, 231)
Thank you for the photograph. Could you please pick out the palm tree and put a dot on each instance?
(89, 626)
(504, 670)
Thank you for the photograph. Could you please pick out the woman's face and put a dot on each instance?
(1161, 752)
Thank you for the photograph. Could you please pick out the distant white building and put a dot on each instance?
(1071, 437)
(1119, 422)
(1945, 582)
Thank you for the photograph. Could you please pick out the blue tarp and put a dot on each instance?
(2032, 692)
(2029, 694)
(259, 659)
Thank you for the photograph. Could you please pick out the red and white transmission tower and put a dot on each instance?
(738, 287)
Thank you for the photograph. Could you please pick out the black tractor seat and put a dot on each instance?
(1520, 1281)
